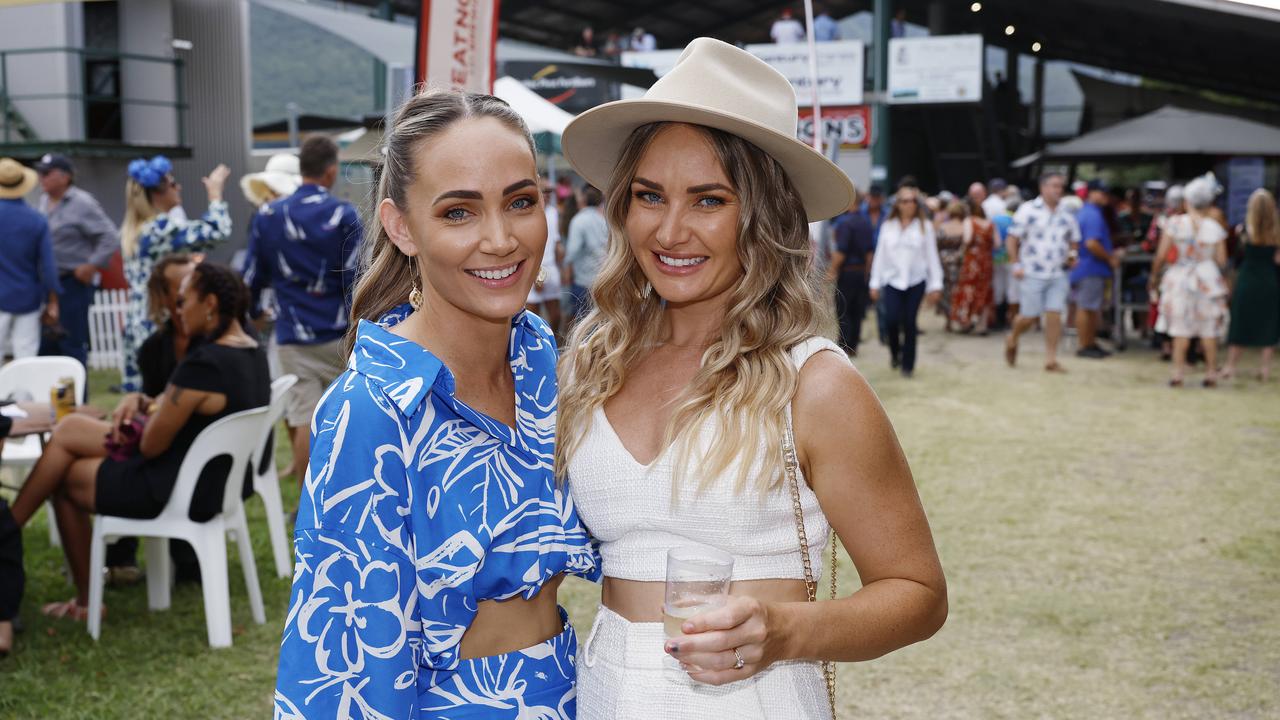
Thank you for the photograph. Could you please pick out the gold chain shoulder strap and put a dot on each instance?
(792, 466)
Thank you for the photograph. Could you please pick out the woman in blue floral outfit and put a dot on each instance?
(432, 534)
(149, 233)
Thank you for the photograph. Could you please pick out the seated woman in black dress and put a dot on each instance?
(157, 358)
(227, 373)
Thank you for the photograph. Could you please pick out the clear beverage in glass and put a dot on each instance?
(697, 581)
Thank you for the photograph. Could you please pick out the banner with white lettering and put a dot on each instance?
(458, 44)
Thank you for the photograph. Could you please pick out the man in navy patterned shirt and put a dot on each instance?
(304, 247)
(1040, 242)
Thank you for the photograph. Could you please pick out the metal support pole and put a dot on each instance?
(292, 109)
(1037, 107)
(813, 76)
(880, 133)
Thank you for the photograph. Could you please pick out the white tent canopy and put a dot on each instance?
(540, 115)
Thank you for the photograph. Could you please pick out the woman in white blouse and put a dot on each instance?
(682, 390)
(905, 271)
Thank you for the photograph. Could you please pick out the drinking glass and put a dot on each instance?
(697, 581)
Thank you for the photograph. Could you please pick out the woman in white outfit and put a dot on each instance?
(679, 393)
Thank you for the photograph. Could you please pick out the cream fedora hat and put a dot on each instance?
(282, 177)
(16, 180)
(717, 85)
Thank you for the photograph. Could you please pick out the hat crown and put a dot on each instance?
(10, 171)
(725, 79)
(284, 163)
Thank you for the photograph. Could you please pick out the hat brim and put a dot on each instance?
(29, 180)
(259, 187)
(593, 142)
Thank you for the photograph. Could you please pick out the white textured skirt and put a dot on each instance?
(621, 675)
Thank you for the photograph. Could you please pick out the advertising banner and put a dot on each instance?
(942, 69)
(457, 44)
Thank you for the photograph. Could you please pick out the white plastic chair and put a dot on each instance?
(266, 482)
(35, 376)
(234, 435)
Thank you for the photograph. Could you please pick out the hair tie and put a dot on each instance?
(150, 173)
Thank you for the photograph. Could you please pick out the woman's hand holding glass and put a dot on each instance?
(745, 624)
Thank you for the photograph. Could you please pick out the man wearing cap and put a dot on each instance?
(84, 239)
(1092, 273)
(28, 277)
(305, 247)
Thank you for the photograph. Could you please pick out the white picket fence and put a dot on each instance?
(106, 329)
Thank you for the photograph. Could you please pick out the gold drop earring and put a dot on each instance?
(415, 295)
(542, 277)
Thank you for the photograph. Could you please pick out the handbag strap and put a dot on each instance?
(791, 465)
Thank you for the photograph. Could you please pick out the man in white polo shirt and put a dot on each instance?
(1040, 242)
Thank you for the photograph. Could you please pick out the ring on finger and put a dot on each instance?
(738, 661)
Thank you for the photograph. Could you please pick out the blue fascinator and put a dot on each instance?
(150, 173)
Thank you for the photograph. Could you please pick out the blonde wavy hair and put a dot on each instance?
(1261, 221)
(746, 380)
(138, 211)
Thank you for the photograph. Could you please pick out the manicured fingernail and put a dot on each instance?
(673, 647)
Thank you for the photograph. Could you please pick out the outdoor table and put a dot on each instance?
(1129, 262)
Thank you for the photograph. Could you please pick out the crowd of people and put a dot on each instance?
(461, 467)
(996, 260)
(201, 340)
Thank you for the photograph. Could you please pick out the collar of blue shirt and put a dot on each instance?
(405, 370)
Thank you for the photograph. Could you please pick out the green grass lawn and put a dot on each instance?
(1112, 548)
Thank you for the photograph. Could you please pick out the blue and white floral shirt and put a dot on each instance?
(415, 509)
(1045, 238)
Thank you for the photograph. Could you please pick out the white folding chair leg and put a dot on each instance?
(211, 550)
(97, 568)
(268, 487)
(159, 573)
(241, 532)
(55, 540)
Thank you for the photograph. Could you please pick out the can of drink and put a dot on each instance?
(62, 396)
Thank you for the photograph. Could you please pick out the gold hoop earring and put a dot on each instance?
(415, 295)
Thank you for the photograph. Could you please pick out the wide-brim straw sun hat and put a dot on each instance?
(716, 85)
(282, 177)
(16, 180)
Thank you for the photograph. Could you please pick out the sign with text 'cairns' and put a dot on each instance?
(457, 44)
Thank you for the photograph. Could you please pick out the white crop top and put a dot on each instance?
(627, 507)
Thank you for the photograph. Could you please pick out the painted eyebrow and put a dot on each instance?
(695, 190)
(474, 195)
(699, 189)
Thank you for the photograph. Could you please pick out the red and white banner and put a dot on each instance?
(458, 44)
(851, 125)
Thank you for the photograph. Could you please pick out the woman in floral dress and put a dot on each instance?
(1193, 293)
(973, 296)
(951, 234)
(149, 233)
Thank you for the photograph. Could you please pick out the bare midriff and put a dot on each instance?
(639, 601)
(503, 626)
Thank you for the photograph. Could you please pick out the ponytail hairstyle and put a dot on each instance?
(233, 298)
(158, 286)
(386, 275)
